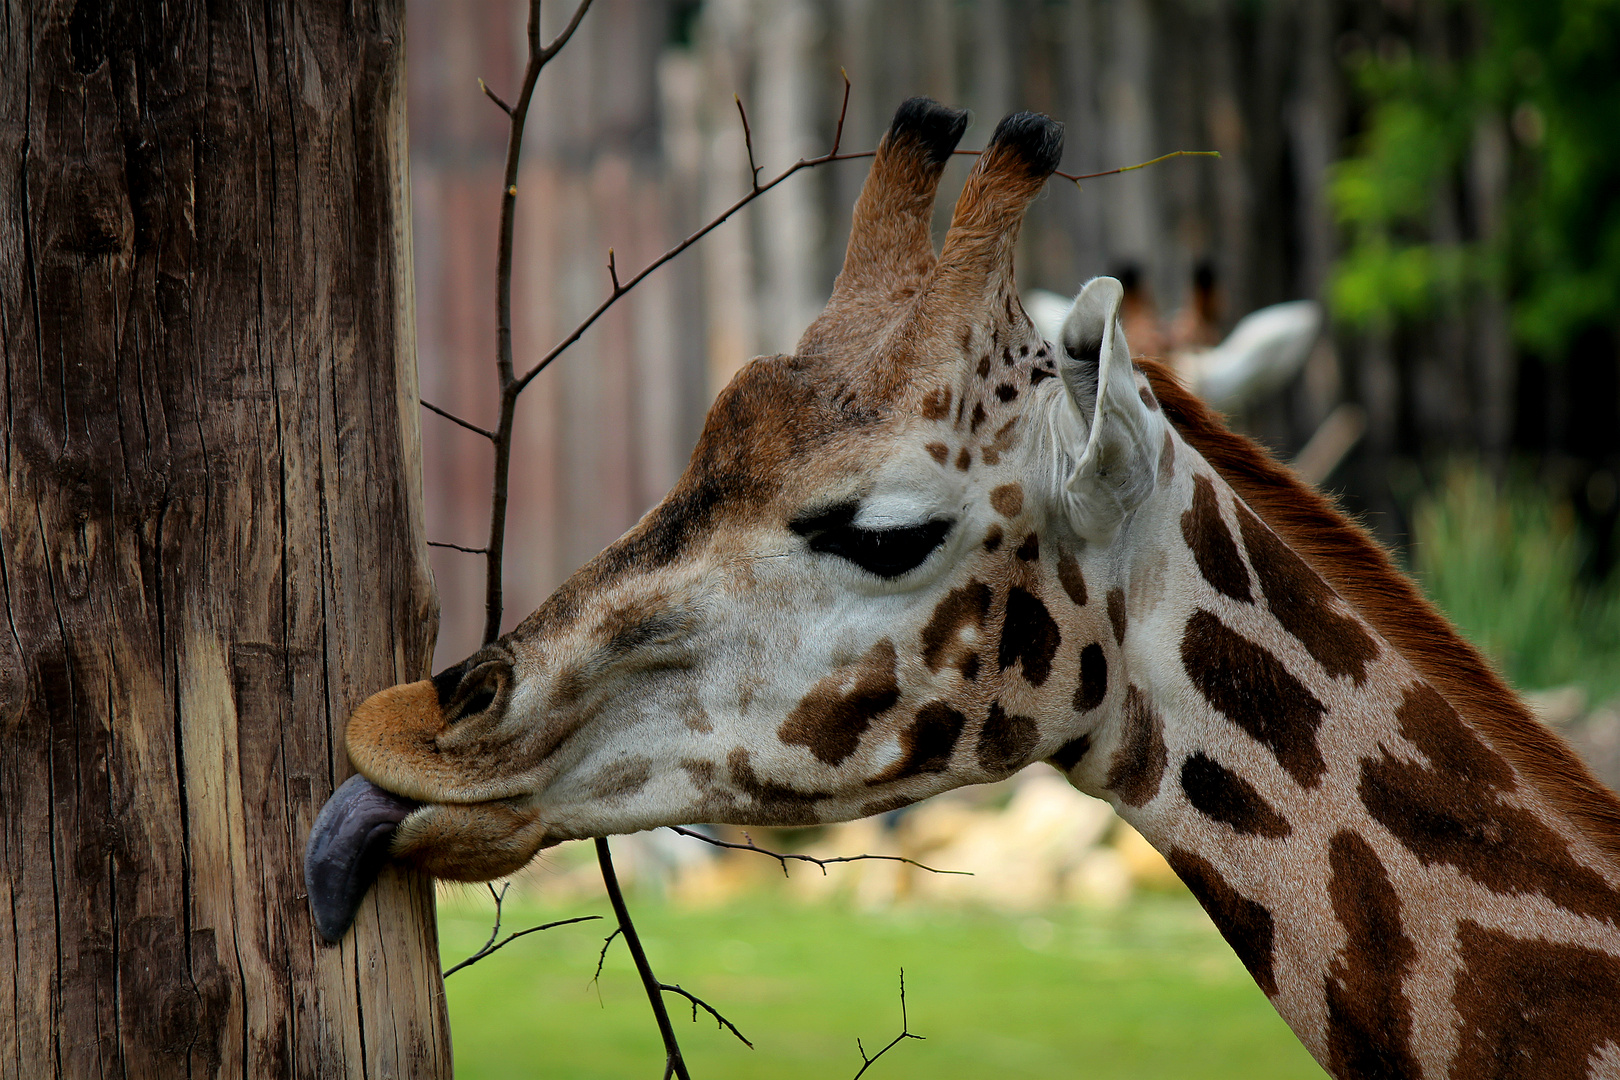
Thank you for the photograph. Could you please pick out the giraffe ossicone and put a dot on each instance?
(930, 548)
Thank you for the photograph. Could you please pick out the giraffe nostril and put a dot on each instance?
(464, 693)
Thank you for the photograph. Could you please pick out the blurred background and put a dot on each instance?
(1443, 177)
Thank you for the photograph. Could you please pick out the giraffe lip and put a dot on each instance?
(347, 849)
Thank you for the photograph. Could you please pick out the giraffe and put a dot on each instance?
(930, 548)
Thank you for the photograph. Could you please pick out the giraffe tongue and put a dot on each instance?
(347, 849)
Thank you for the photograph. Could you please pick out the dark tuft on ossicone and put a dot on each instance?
(938, 127)
(1038, 139)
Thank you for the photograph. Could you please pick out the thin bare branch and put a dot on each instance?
(783, 856)
(454, 419)
(493, 96)
(843, 111)
(748, 142)
(1139, 165)
(613, 272)
(905, 1033)
(491, 946)
(601, 957)
(697, 1003)
(458, 547)
(674, 1063)
(725, 215)
(561, 39)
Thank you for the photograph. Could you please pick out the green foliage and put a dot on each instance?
(1149, 991)
(1546, 73)
(1501, 562)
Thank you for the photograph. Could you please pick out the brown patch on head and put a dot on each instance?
(1006, 741)
(938, 451)
(622, 779)
(1245, 924)
(1213, 548)
(1147, 398)
(1251, 688)
(1452, 811)
(1360, 570)
(1030, 549)
(1070, 577)
(936, 404)
(942, 644)
(984, 366)
(926, 743)
(1029, 635)
(1006, 392)
(1005, 439)
(832, 716)
(977, 416)
(791, 407)
(1093, 686)
(993, 538)
(964, 459)
(1222, 795)
(1369, 1018)
(1116, 614)
(1140, 761)
(774, 804)
(1070, 753)
(1008, 499)
(1303, 603)
(1532, 1008)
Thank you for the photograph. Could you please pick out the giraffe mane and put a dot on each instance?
(1361, 570)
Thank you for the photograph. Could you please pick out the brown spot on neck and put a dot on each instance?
(1245, 924)
(1211, 543)
(1116, 614)
(1360, 570)
(1251, 688)
(1222, 795)
(1369, 1018)
(1544, 1007)
(1453, 811)
(1071, 578)
(1006, 740)
(1139, 763)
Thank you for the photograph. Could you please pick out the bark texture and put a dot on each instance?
(210, 534)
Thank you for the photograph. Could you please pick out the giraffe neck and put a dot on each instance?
(1412, 901)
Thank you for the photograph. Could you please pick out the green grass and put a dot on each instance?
(1147, 991)
(1501, 561)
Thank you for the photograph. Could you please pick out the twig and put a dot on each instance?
(491, 946)
(748, 141)
(493, 96)
(697, 1002)
(454, 419)
(905, 1033)
(758, 190)
(613, 272)
(1138, 165)
(502, 438)
(783, 856)
(674, 1064)
(457, 547)
(601, 957)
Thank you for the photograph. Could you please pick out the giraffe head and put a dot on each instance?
(891, 568)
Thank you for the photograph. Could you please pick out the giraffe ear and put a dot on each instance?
(1115, 464)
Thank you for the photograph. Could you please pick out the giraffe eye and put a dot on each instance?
(887, 553)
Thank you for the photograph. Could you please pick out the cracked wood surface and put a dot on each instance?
(210, 534)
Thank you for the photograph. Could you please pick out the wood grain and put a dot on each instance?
(210, 534)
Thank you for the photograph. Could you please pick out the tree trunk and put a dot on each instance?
(210, 534)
